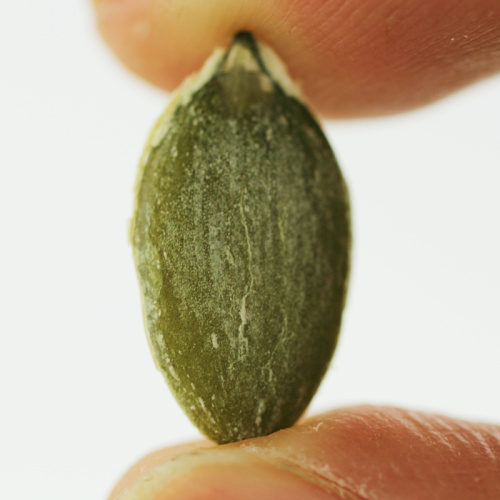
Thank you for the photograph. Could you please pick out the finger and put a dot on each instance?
(353, 453)
(352, 57)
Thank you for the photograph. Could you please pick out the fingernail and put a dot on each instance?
(223, 474)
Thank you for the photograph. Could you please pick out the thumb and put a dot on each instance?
(353, 453)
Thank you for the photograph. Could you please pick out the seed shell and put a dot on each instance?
(241, 239)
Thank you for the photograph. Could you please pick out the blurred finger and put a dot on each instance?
(352, 57)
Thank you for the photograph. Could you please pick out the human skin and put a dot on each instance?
(352, 58)
(360, 453)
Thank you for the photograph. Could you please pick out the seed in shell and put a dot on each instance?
(241, 239)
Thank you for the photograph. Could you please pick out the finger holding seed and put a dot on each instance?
(351, 58)
(355, 58)
(350, 453)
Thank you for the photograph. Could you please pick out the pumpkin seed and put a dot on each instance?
(241, 239)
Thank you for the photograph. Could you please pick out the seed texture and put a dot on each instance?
(241, 239)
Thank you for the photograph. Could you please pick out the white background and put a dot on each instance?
(80, 398)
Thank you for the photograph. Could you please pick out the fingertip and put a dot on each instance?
(356, 58)
(360, 452)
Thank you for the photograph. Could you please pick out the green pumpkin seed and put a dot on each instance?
(241, 239)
